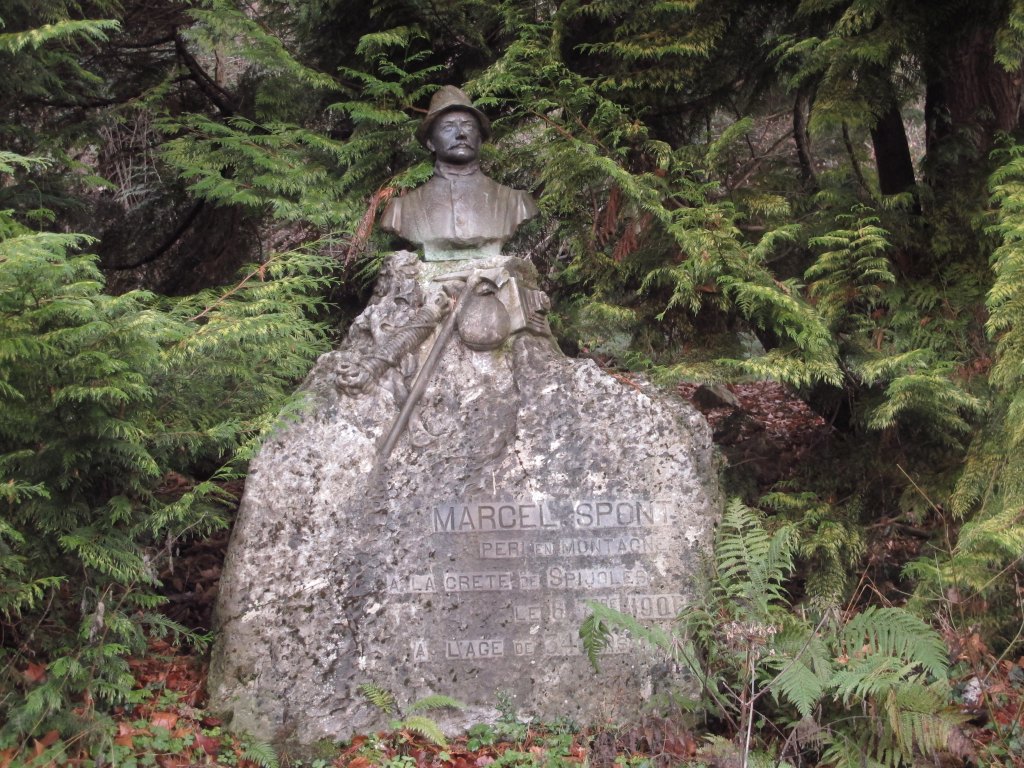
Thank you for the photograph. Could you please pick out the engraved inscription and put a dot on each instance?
(596, 578)
(549, 559)
(621, 545)
(475, 649)
(527, 613)
(418, 584)
(507, 549)
(569, 644)
(653, 607)
(501, 549)
(475, 517)
(419, 650)
(524, 647)
(529, 580)
(562, 644)
(624, 513)
(557, 610)
(478, 581)
(422, 584)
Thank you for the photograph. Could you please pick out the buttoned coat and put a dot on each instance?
(456, 210)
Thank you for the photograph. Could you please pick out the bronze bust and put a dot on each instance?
(459, 213)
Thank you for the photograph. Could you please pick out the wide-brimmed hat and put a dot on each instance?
(445, 100)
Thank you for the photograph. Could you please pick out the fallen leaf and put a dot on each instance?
(173, 761)
(164, 720)
(680, 746)
(208, 744)
(124, 728)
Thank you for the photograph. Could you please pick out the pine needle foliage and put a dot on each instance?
(902, 344)
(661, 42)
(287, 169)
(753, 657)
(41, 48)
(224, 26)
(830, 540)
(277, 169)
(645, 223)
(106, 398)
(854, 60)
(853, 269)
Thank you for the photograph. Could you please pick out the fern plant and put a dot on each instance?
(872, 686)
(411, 718)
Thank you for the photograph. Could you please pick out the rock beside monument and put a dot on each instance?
(525, 485)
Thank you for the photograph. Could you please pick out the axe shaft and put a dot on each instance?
(419, 385)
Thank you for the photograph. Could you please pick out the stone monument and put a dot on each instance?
(455, 492)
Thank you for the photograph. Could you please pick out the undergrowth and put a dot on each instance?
(799, 685)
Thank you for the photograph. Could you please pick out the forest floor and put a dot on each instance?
(761, 427)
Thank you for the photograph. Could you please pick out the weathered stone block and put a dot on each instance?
(525, 485)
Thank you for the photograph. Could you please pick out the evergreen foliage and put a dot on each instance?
(704, 169)
(381, 698)
(106, 400)
(983, 566)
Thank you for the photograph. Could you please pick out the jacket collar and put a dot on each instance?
(450, 171)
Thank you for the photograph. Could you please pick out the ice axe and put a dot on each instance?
(419, 385)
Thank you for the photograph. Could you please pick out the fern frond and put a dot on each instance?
(93, 30)
(921, 719)
(381, 698)
(753, 565)
(596, 636)
(868, 678)
(260, 753)
(436, 701)
(423, 726)
(802, 667)
(897, 634)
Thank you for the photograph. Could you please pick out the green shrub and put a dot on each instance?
(124, 419)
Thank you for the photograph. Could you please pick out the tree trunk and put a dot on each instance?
(801, 107)
(892, 153)
(969, 99)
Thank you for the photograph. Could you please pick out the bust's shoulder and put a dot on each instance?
(518, 202)
(408, 201)
(508, 194)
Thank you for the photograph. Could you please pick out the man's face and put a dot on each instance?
(455, 137)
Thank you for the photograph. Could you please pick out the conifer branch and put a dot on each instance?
(223, 100)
